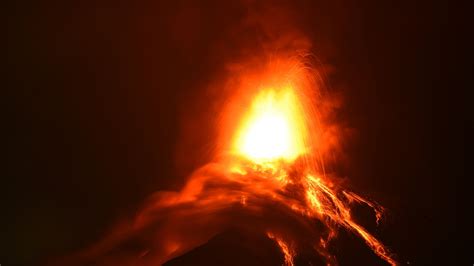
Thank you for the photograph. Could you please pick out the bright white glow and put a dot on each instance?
(273, 128)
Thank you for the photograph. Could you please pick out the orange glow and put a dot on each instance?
(273, 129)
(285, 248)
(272, 180)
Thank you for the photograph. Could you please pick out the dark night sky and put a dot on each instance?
(96, 94)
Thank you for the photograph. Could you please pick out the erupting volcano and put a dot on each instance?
(268, 177)
(275, 145)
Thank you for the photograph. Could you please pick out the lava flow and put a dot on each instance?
(272, 137)
(268, 178)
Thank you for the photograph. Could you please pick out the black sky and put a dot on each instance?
(96, 93)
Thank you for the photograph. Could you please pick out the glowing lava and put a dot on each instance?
(273, 182)
(273, 129)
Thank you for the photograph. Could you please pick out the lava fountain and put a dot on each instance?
(274, 128)
(268, 178)
(273, 137)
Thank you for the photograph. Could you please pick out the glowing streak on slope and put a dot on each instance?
(285, 248)
(339, 211)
